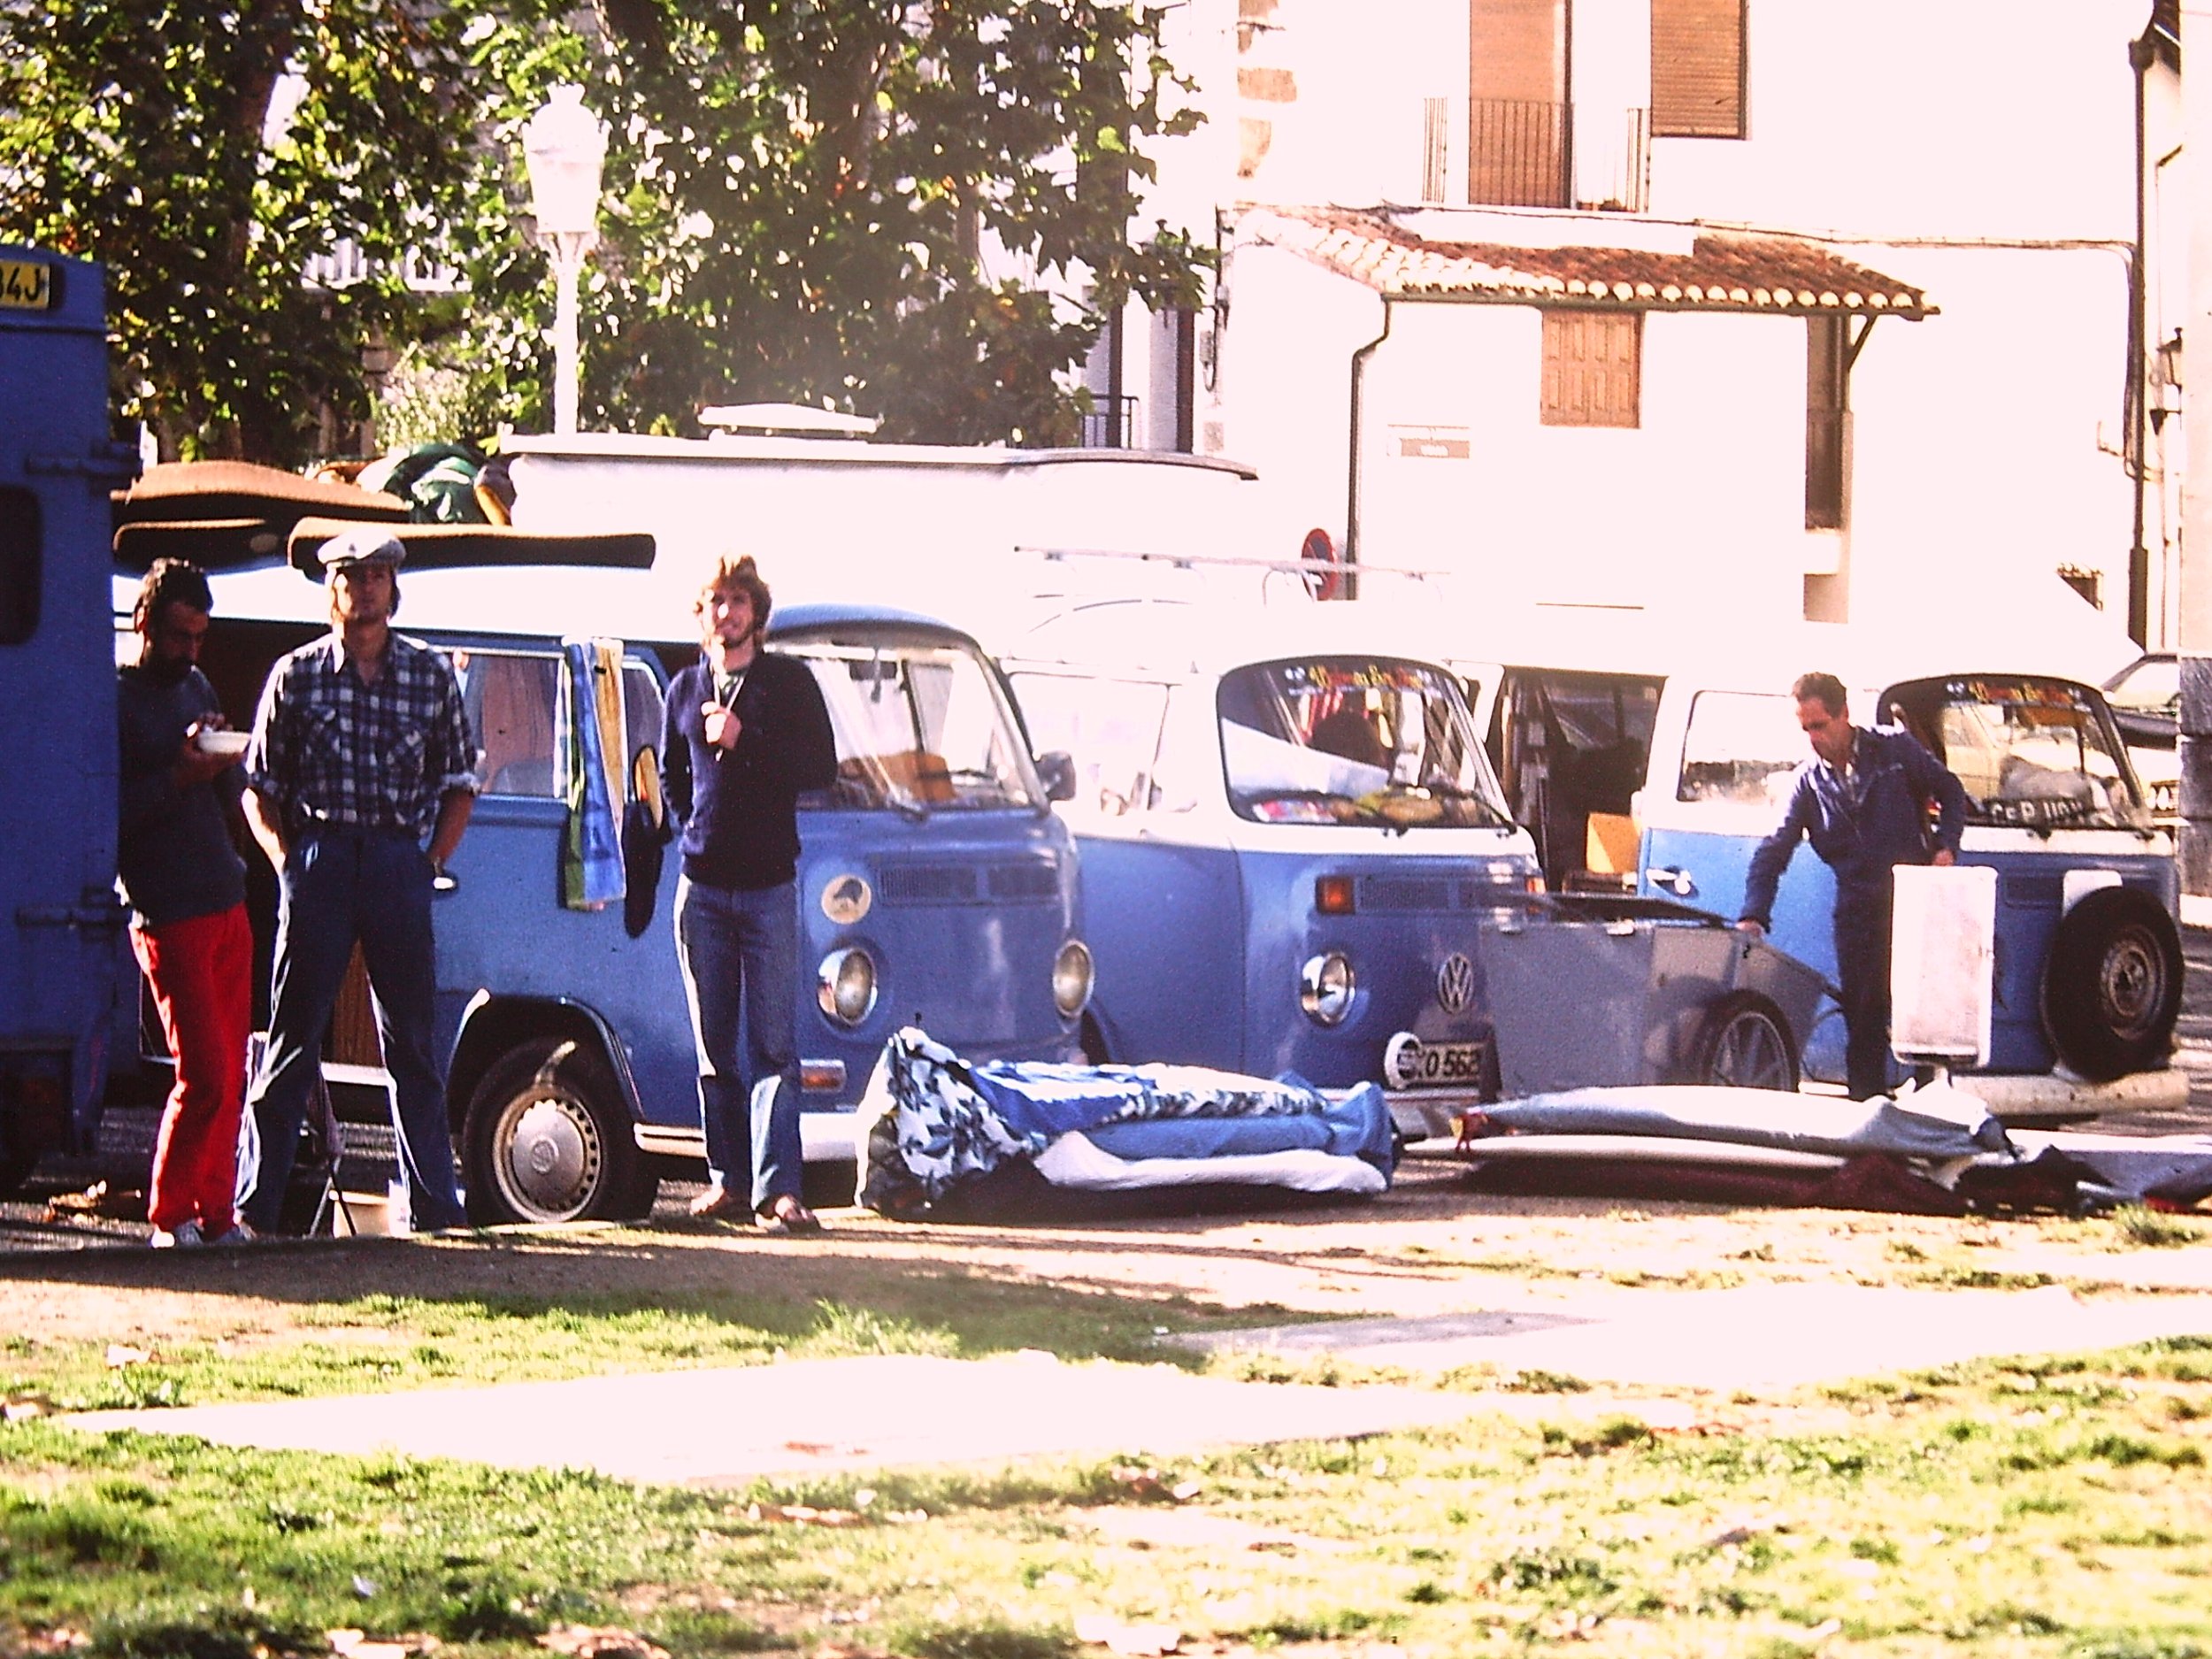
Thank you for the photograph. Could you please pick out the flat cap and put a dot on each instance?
(369, 543)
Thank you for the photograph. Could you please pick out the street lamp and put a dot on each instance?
(563, 146)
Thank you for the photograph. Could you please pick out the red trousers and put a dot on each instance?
(200, 969)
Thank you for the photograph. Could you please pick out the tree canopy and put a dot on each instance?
(841, 202)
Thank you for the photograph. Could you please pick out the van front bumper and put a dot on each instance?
(1425, 1114)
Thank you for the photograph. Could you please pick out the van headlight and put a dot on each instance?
(1071, 977)
(845, 985)
(1326, 985)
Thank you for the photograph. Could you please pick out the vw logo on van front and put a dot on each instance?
(1455, 984)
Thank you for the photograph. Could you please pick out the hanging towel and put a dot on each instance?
(590, 721)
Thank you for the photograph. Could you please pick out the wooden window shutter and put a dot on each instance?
(1697, 68)
(1593, 368)
(1517, 102)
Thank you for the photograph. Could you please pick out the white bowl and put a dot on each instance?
(215, 741)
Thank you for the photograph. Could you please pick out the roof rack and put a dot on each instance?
(799, 418)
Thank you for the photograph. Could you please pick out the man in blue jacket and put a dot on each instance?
(1862, 799)
(746, 732)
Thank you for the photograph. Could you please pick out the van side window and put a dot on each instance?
(1741, 750)
(1111, 726)
(22, 565)
(510, 696)
(1190, 756)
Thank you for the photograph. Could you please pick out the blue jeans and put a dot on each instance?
(339, 885)
(739, 948)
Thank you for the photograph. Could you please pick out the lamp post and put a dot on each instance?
(563, 147)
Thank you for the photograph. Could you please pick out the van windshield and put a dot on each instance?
(921, 726)
(1354, 739)
(2033, 753)
(1742, 749)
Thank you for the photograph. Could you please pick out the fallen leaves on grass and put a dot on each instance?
(354, 1644)
(600, 1641)
(98, 1200)
(1149, 1486)
(1136, 1641)
(803, 1514)
(1744, 1529)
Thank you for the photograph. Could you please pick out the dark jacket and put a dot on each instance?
(176, 855)
(739, 808)
(1863, 823)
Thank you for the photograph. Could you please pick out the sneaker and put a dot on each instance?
(719, 1204)
(184, 1236)
(239, 1231)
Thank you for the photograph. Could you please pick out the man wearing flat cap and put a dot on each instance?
(361, 749)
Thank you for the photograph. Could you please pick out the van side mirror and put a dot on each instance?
(1056, 770)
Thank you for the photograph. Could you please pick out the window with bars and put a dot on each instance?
(1593, 368)
(1697, 68)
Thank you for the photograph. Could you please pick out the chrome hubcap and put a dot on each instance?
(550, 1156)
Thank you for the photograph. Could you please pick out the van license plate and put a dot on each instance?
(1409, 1062)
(26, 285)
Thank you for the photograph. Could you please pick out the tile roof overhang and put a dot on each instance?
(1730, 271)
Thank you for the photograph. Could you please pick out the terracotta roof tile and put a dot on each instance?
(1720, 273)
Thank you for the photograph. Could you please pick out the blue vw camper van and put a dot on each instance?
(1653, 769)
(936, 885)
(1292, 845)
(2088, 965)
(60, 920)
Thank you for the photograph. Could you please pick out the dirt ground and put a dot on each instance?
(1433, 1245)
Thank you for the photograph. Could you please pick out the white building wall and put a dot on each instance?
(1279, 398)
(1902, 117)
(1698, 512)
(1985, 439)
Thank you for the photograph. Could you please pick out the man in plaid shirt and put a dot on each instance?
(361, 748)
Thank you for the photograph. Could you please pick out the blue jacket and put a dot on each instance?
(1863, 823)
(739, 810)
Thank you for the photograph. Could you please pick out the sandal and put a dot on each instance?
(788, 1215)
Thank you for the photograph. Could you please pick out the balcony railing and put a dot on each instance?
(1518, 153)
(1111, 423)
(1523, 152)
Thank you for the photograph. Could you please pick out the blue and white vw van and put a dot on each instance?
(1292, 845)
(2088, 965)
(1650, 767)
(936, 885)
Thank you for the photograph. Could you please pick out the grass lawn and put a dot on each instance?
(2061, 1508)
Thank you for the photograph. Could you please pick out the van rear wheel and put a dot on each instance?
(1742, 1041)
(547, 1139)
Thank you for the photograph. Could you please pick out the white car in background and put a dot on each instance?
(2145, 699)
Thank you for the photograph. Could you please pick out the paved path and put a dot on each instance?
(726, 1426)
(1768, 1336)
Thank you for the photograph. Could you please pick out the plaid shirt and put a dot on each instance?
(329, 749)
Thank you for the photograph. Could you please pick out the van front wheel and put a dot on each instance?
(1742, 1041)
(2112, 984)
(547, 1139)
